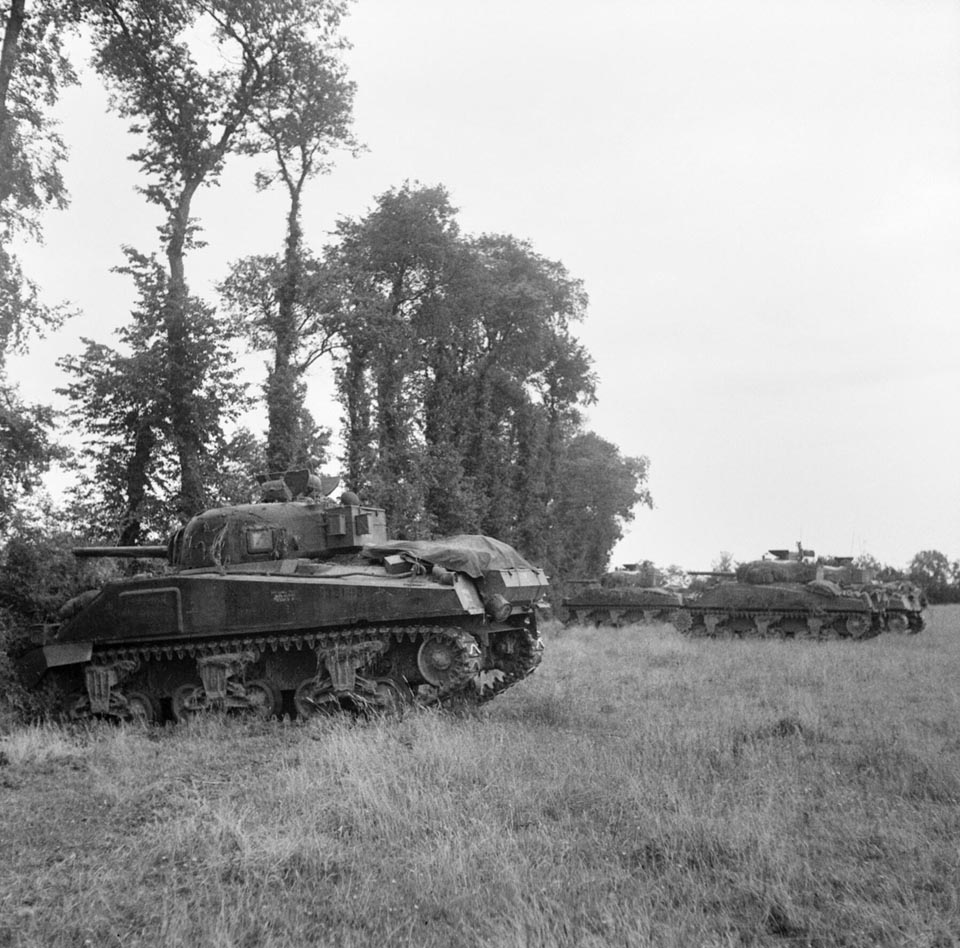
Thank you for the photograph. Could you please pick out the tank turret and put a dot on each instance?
(297, 603)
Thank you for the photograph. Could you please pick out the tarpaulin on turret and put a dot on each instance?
(468, 553)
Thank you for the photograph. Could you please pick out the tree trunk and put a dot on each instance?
(182, 383)
(8, 61)
(130, 527)
(284, 398)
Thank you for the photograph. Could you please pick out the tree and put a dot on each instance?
(33, 69)
(386, 274)
(598, 492)
(881, 571)
(724, 563)
(129, 479)
(279, 299)
(510, 395)
(190, 120)
(462, 383)
(931, 570)
(676, 576)
(25, 449)
(459, 375)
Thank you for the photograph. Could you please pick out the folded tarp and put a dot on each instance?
(468, 553)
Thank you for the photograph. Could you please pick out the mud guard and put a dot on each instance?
(33, 665)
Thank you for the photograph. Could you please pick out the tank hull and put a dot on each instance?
(616, 607)
(295, 636)
(779, 610)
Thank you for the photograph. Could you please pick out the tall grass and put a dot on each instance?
(639, 789)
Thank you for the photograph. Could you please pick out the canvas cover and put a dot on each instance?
(468, 553)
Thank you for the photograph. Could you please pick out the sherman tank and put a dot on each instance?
(904, 603)
(298, 604)
(787, 596)
(901, 603)
(622, 597)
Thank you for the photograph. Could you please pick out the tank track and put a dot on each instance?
(521, 663)
(904, 621)
(518, 654)
(200, 648)
(766, 624)
(616, 616)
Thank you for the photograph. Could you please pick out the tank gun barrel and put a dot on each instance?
(710, 572)
(122, 552)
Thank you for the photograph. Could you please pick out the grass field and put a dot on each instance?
(639, 789)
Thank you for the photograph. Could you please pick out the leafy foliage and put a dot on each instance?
(121, 402)
(275, 298)
(461, 383)
(939, 578)
(191, 118)
(26, 449)
(33, 70)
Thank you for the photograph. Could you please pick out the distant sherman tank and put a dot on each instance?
(296, 603)
(901, 603)
(622, 597)
(788, 596)
(904, 604)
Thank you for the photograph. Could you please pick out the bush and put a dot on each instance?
(38, 574)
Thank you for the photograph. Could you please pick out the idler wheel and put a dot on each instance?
(188, 700)
(263, 699)
(142, 708)
(897, 622)
(441, 660)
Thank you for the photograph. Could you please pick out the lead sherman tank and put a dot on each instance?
(295, 603)
(789, 595)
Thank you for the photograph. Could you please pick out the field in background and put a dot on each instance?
(639, 789)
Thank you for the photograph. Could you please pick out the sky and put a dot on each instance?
(762, 198)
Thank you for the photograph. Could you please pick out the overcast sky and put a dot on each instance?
(762, 198)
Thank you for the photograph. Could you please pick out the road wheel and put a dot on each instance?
(897, 622)
(188, 701)
(392, 696)
(263, 699)
(858, 626)
(142, 708)
(314, 697)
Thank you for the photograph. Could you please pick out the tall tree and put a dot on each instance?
(386, 273)
(129, 466)
(279, 299)
(190, 119)
(459, 375)
(33, 70)
(522, 379)
(598, 492)
(931, 570)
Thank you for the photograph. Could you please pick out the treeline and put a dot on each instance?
(458, 377)
(932, 570)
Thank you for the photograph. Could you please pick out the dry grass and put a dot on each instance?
(640, 789)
